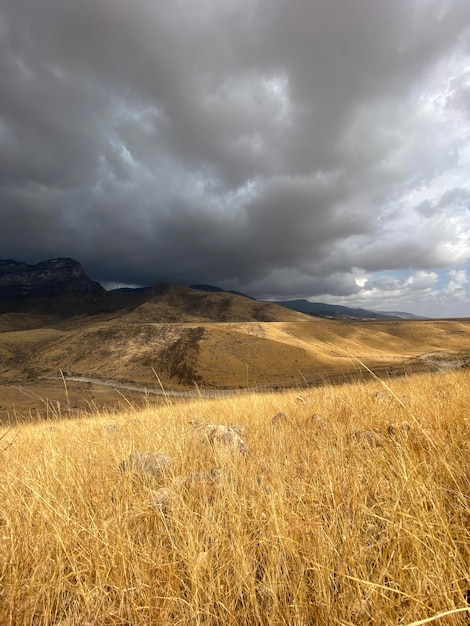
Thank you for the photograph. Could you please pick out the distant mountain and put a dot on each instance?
(61, 286)
(321, 309)
(128, 289)
(211, 288)
(214, 289)
(404, 315)
(48, 278)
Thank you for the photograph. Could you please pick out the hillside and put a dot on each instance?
(131, 346)
(161, 303)
(137, 346)
(176, 339)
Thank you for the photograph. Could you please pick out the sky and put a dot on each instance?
(287, 149)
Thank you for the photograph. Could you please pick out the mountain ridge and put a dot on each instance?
(47, 278)
(63, 283)
(322, 309)
(31, 290)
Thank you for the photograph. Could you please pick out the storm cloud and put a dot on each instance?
(282, 148)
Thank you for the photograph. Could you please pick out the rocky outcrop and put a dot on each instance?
(48, 278)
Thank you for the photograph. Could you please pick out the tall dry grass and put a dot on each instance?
(331, 519)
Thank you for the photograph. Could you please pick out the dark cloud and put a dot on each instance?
(281, 148)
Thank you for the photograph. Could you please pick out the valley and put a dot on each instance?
(144, 352)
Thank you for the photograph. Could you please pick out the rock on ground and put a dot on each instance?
(155, 464)
(220, 437)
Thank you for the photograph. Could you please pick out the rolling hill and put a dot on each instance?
(322, 309)
(216, 341)
(177, 338)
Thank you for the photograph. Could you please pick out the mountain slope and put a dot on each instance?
(48, 278)
(168, 303)
(213, 339)
(322, 309)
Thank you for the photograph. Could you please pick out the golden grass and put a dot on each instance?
(321, 524)
(128, 348)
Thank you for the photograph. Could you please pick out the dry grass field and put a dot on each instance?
(351, 507)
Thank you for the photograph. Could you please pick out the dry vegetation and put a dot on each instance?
(332, 518)
(127, 349)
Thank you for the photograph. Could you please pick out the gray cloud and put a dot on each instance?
(281, 148)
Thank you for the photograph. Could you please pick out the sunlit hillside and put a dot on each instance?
(344, 505)
(215, 341)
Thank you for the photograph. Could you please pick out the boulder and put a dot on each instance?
(280, 419)
(154, 464)
(163, 498)
(239, 428)
(220, 437)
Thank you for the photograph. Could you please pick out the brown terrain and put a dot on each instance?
(61, 355)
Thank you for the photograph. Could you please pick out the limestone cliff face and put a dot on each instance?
(48, 278)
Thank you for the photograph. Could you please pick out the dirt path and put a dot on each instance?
(423, 364)
(144, 390)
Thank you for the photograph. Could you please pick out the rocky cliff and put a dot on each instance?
(48, 278)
